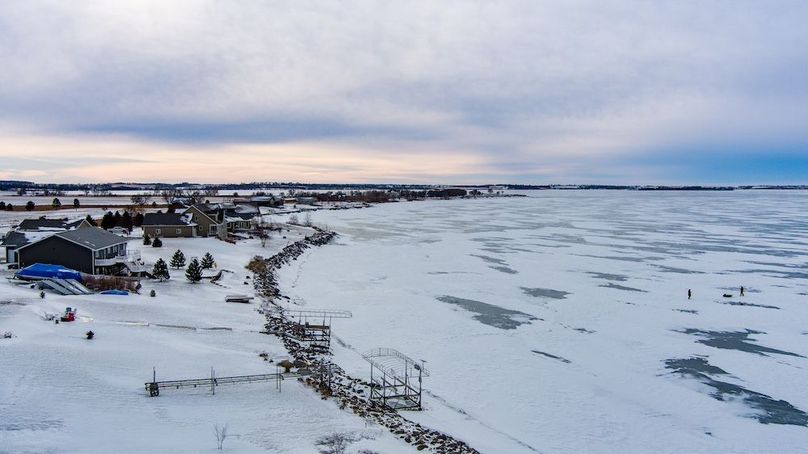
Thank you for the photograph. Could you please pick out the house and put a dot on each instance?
(91, 251)
(46, 224)
(209, 218)
(11, 242)
(169, 225)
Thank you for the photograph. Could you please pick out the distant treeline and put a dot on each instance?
(105, 188)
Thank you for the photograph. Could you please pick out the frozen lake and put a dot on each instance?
(560, 322)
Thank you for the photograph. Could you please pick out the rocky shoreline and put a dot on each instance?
(327, 378)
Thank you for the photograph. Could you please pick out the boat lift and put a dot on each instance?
(395, 379)
(312, 326)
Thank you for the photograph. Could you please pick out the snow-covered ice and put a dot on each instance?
(555, 322)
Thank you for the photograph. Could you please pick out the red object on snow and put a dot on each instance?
(69, 316)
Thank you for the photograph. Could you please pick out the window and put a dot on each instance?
(179, 231)
(156, 231)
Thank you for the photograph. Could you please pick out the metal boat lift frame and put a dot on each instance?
(395, 379)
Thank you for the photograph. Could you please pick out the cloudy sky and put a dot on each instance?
(405, 91)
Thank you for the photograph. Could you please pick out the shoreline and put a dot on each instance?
(329, 379)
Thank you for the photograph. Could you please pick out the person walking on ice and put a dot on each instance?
(742, 290)
(689, 293)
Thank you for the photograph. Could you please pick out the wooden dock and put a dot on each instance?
(153, 388)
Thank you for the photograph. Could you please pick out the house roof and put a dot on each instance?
(42, 223)
(165, 219)
(92, 238)
(14, 239)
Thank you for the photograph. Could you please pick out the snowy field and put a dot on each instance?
(62, 393)
(560, 322)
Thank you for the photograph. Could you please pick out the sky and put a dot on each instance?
(506, 91)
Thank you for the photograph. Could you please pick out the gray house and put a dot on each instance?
(91, 251)
(169, 225)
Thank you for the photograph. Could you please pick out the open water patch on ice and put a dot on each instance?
(622, 287)
(735, 340)
(490, 314)
(769, 410)
(545, 293)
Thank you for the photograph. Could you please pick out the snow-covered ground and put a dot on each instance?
(561, 323)
(62, 393)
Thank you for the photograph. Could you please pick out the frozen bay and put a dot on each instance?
(560, 322)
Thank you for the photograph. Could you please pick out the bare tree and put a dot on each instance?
(335, 443)
(307, 219)
(293, 219)
(221, 435)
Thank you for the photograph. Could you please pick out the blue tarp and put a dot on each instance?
(114, 292)
(43, 271)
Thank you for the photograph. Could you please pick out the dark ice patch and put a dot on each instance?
(504, 269)
(621, 287)
(743, 303)
(489, 259)
(673, 269)
(735, 340)
(545, 293)
(549, 355)
(771, 411)
(608, 276)
(687, 311)
(490, 314)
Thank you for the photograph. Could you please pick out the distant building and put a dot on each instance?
(169, 225)
(43, 224)
(91, 251)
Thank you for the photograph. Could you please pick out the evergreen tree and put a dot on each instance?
(30, 206)
(2, 205)
(178, 259)
(90, 219)
(126, 221)
(157, 242)
(194, 271)
(76, 203)
(56, 202)
(146, 240)
(137, 221)
(160, 270)
(9, 207)
(207, 261)
(107, 222)
(117, 219)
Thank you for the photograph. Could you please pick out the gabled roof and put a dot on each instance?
(165, 219)
(92, 238)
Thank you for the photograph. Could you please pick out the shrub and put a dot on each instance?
(146, 240)
(157, 242)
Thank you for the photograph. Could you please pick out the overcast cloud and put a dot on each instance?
(447, 91)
